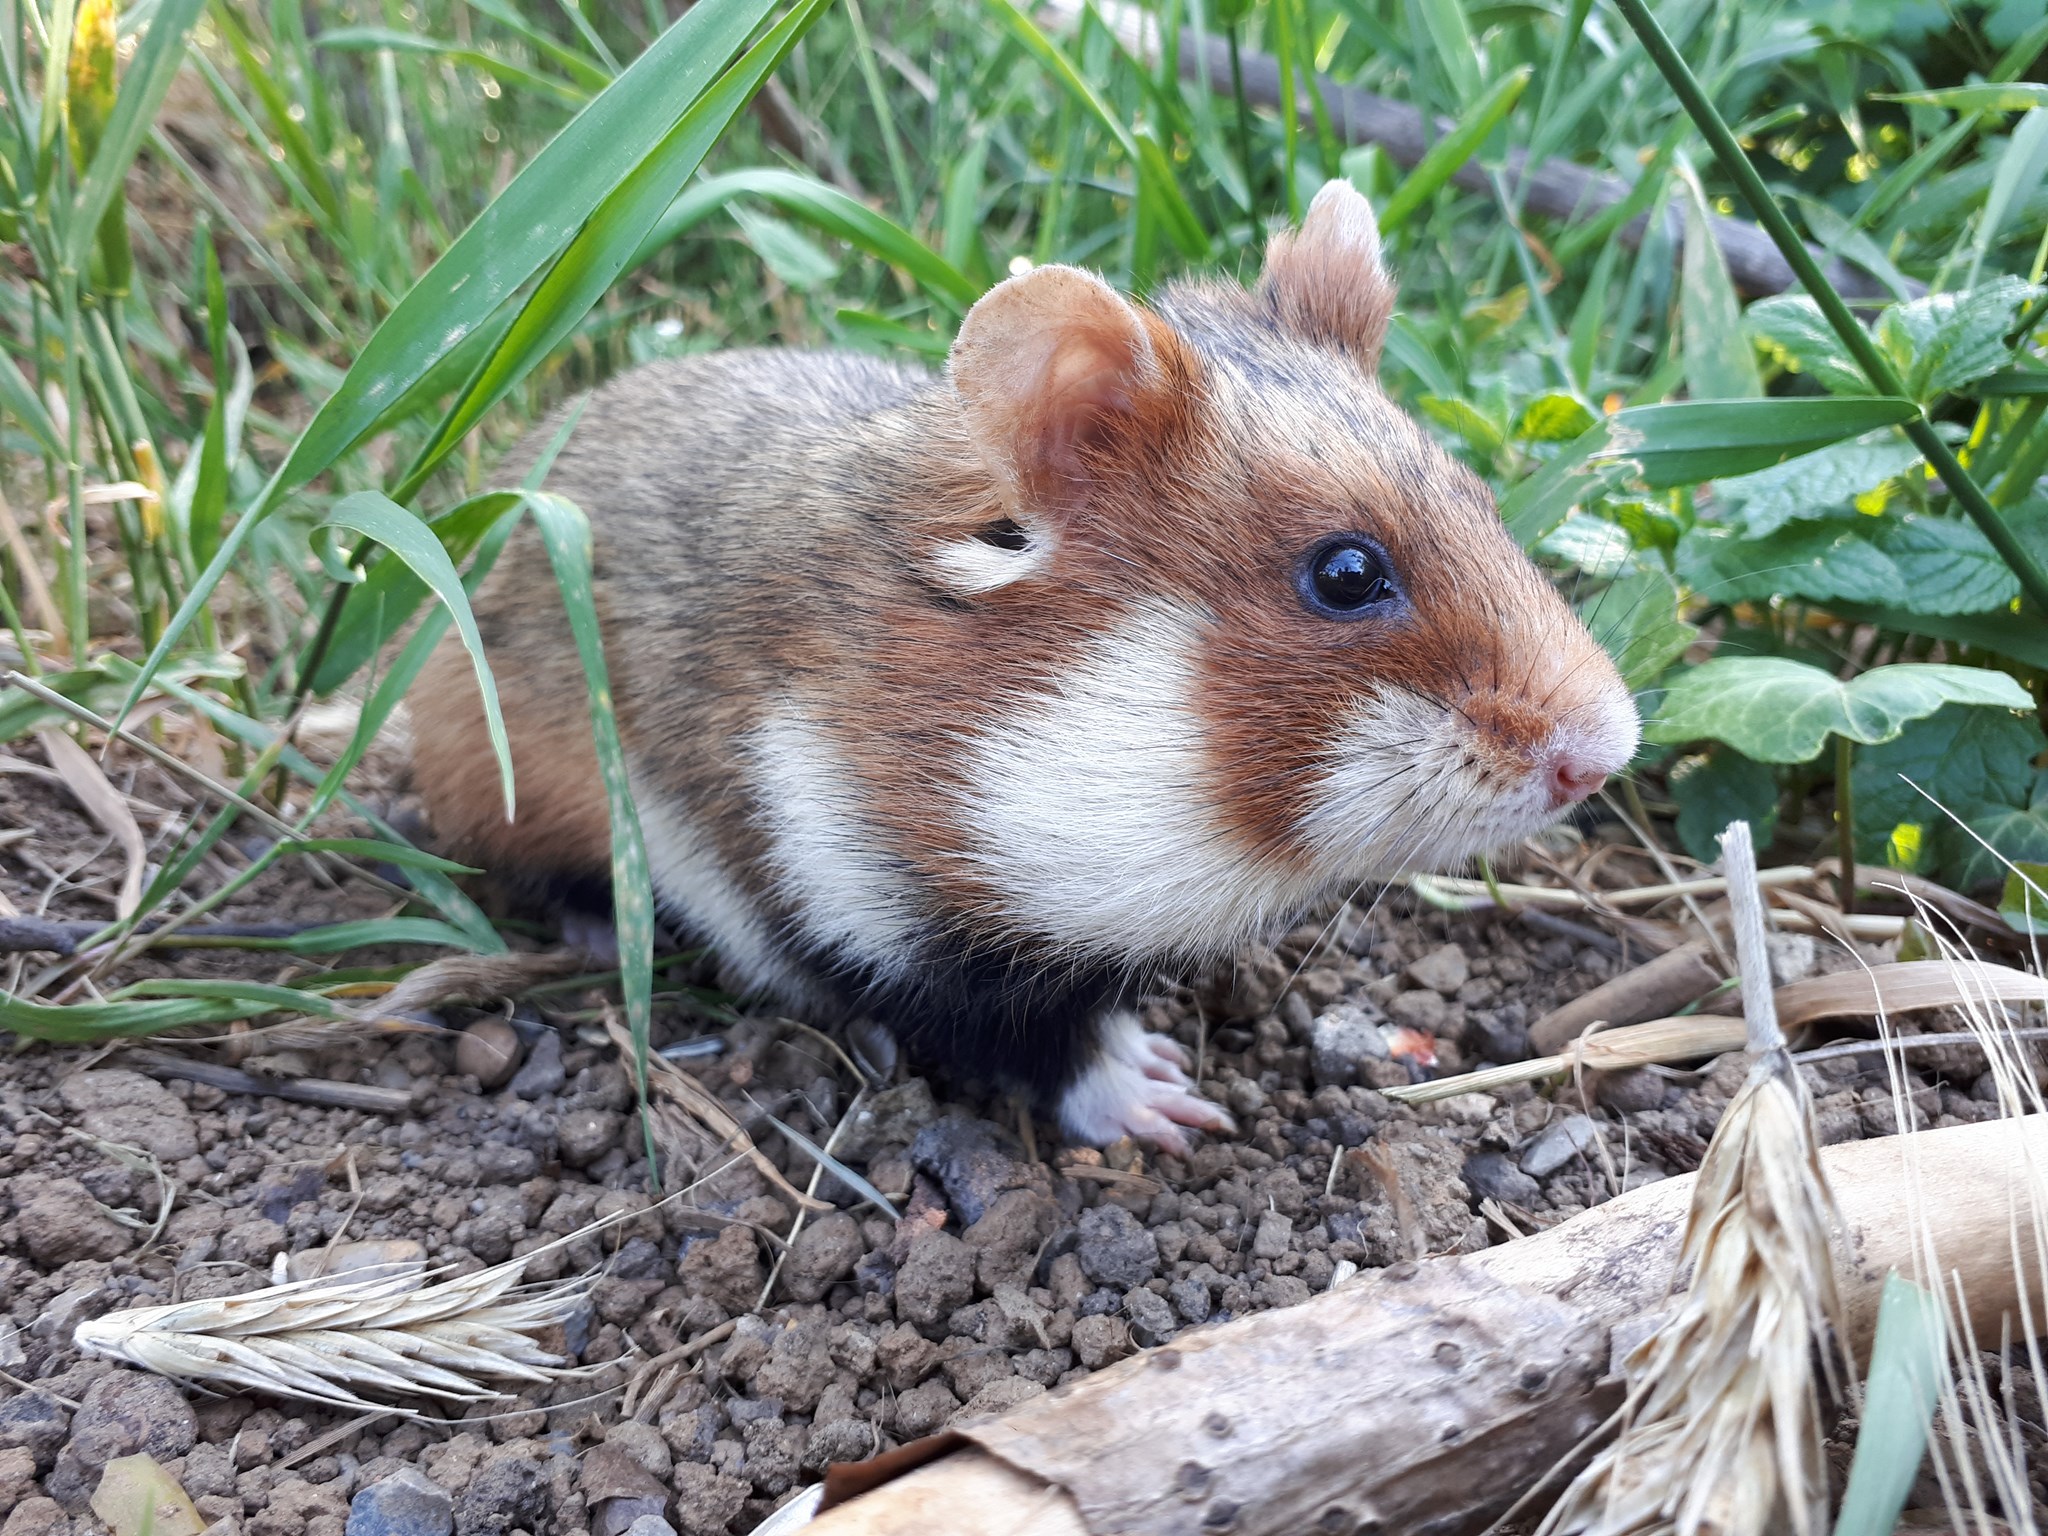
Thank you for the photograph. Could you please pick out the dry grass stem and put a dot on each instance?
(1722, 1430)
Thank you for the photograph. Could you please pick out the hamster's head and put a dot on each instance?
(1270, 641)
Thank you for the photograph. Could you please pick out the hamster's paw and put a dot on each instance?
(1138, 1086)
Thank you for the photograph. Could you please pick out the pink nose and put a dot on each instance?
(1572, 779)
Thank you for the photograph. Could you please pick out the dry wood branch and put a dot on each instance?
(1556, 189)
(1656, 990)
(1339, 1421)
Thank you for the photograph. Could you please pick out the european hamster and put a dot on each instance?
(972, 703)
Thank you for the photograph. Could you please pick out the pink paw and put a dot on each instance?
(1138, 1086)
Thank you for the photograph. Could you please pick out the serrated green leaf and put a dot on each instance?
(1826, 561)
(1815, 485)
(1794, 324)
(1637, 620)
(1555, 418)
(1947, 566)
(1781, 711)
(1946, 340)
(1691, 442)
(1719, 787)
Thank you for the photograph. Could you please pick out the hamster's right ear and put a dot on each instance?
(1325, 281)
(1056, 371)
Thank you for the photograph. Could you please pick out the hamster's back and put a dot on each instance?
(703, 479)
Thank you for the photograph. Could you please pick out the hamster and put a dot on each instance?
(975, 703)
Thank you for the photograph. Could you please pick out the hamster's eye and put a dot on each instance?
(1003, 534)
(1346, 577)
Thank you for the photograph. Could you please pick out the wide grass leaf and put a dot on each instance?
(1690, 442)
(1781, 711)
(375, 516)
(2014, 96)
(603, 248)
(1464, 141)
(1720, 363)
(1908, 1359)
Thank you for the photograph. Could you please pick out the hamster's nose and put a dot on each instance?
(1571, 777)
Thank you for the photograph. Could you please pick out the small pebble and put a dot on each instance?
(1558, 1145)
(542, 1074)
(1340, 1040)
(489, 1052)
(407, 1503)
(1444, 969)
(1638, 1088)
(1491, 1176)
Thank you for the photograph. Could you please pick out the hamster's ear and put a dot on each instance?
(1055, 363)
(1325, 281)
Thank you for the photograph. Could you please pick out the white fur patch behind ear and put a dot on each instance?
(972, 566)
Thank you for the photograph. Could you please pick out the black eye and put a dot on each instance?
(1346, 577)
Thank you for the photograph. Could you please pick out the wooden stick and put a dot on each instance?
(1437, 1392)
(1652, 991)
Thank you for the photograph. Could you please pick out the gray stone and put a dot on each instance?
(1627, 1092)
(61, 1222)
(1275, 1236)
(1150, 1316)
(1443, 970)
(1498, 1034)
(511, 1490)
(36, 1424)
(1115, 1249)
(1558, 1145)
(1341, 1039)
(407, 1503)
(892, 1117)
(823, 1254)
(122, 1413)
(134, 1110)
(650, 1525)
(1420, 1009)
(542, 1074)
(961, 1153)
(585, 1135)
(1190, 1299)
(1492, 1176)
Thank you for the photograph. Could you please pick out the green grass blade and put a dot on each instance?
(605, 245)
(566, 532)
(18, 399)
(1455, 148)
(1690, 442)
(338, 938)
(588, 72)
(143, 87)
(1907, 1361)
(208, 507)
(375, 516)
(524, 227)
(1720, 362)
(85, 1022)
(370, 39)
(824, 208)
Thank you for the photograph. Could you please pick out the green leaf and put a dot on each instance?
(824, 208)
(1793, 324)
(2015, 836)
(1720, 363)
(1717, 788)
(368, 39)
(1443, 158)
(605, 246)
(1824, 561)
(518, 233)
(1947, 566)
(1976, 762)
(2020, 636)
(1690, 442)
(2024, 903)
(1908, 1361)
(566, 533)
(1814, 485)
(375, 516)
(334, 938)
(1555, 418)
(1782, 711)
(791, 255)
(18, 399)
(118, 1020)
(1637, 620)
(2016, 96)
(1591, 544)
(1947, 340)
(1465, 419)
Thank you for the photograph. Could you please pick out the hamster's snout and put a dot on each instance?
(1572, 770)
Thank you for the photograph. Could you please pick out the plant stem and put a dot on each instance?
(1845, 825)
(1875, 365)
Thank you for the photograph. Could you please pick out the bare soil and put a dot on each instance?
(1016, 1264)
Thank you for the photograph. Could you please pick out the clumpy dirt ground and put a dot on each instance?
(1016, 1264)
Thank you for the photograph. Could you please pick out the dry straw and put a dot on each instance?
(1722, 1430)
